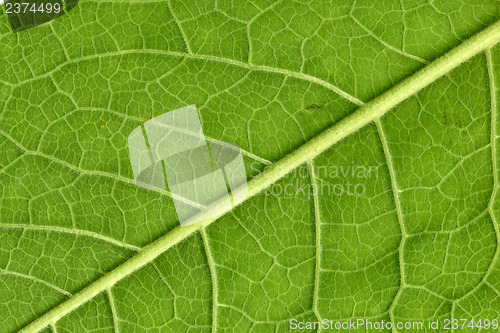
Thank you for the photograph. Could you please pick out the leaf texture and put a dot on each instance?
(420, 243)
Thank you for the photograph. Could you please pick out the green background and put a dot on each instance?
(421, 243)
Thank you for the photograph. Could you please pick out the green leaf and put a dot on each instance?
(311, 91)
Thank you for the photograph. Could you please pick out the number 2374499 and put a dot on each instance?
(25, 7)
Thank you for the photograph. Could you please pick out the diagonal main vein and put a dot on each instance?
(363, 116)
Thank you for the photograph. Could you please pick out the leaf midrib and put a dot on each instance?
(363, 116)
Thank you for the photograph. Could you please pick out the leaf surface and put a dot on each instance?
(420, 242)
